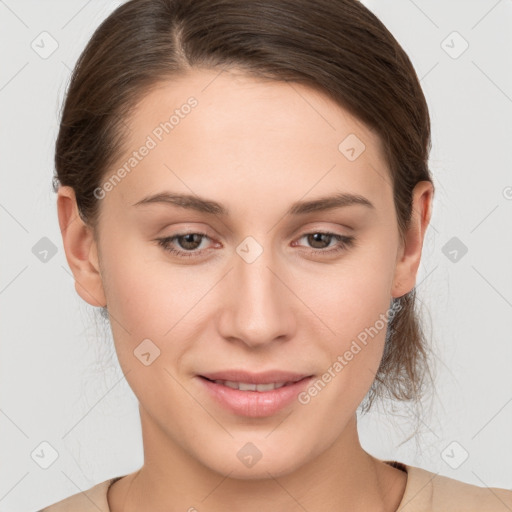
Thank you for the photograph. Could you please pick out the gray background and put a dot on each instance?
(59, 379)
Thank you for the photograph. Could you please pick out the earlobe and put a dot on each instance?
(410, 253)
(80, 248)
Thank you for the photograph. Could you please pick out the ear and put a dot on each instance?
(409, 255)
(80, 248)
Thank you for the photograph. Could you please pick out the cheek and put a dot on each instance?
(149, 298)
(143, 292)
(359, 321)
(351, 295)
(354, 300)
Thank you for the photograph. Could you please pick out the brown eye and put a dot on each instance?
(320, 242)
(191, 240)
(187, 244)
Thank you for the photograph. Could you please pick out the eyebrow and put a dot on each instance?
(194, 202)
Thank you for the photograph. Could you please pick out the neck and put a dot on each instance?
(342, 478)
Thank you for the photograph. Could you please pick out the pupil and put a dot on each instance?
(317, 238)
(189, 239)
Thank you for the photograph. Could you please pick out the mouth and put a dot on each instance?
(248, 386)
(254, 395)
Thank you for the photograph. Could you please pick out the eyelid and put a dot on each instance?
(299, 233)
(342, 245)
(324, 226)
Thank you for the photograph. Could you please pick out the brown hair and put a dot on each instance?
(336, 46)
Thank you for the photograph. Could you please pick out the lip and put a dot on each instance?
(254, 404)
(255, 378)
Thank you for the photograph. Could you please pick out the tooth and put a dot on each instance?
(230, 384)
(243, 386)
(265, 387)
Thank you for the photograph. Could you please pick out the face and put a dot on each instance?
(251, 280)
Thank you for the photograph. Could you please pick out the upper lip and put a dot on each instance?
(255, 378)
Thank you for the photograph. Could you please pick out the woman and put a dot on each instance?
(243, 187)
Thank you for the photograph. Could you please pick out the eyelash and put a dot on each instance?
(344, 242)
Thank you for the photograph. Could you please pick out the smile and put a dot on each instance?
(253, 399)
(246, 386)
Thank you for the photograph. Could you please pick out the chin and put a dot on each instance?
(256, 461)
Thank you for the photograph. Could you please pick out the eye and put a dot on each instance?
(319, 239)
(191, 241)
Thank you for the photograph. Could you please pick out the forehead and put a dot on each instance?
(225, 133)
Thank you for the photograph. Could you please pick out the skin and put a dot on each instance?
(256, 147)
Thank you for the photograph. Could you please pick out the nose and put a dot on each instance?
(259, 306)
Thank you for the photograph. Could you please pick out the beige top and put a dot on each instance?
(425, 492)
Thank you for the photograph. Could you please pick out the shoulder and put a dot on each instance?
(91, 500)
(426, 490)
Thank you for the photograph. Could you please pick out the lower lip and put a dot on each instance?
(255, 404)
